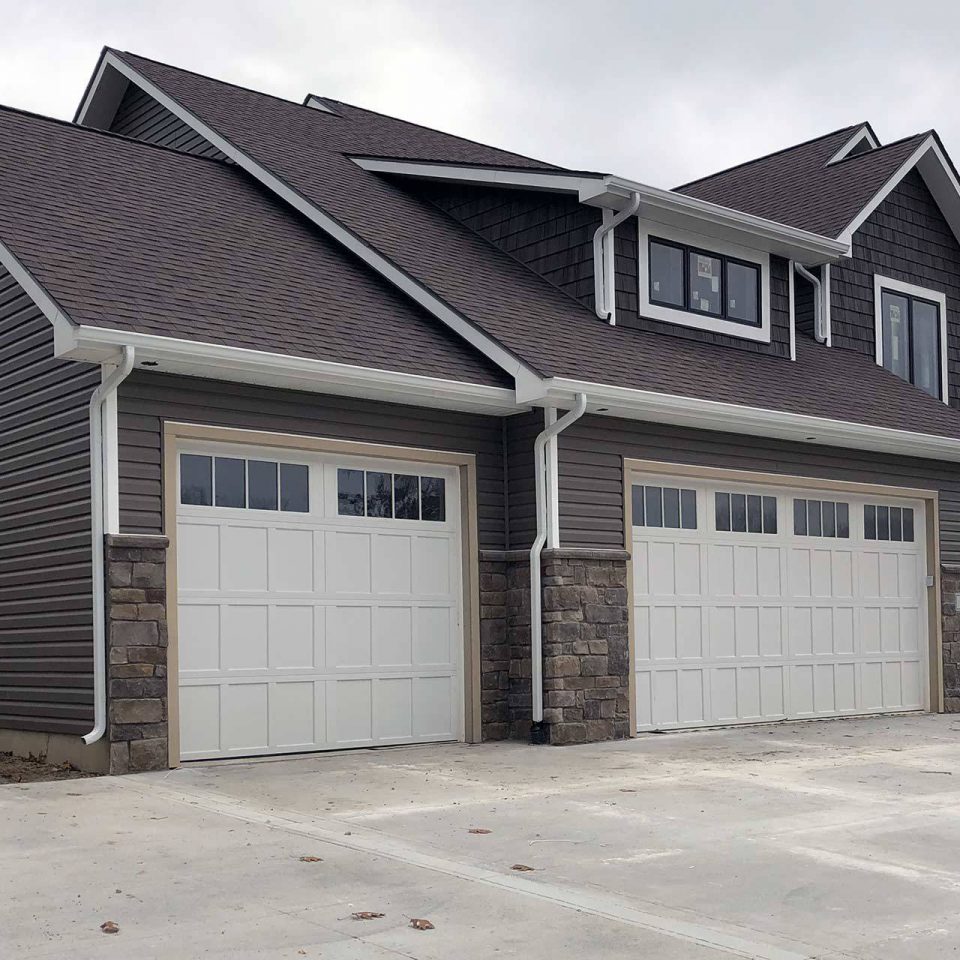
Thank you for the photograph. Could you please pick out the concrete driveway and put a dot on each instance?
(836, 839)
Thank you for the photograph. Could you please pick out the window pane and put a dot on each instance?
(800, 517)
(896, 528)
(829, 511)
(666, 274)
(350, 493)
(295, 487)
(908, 524)
(742, 284)
(652, 506)
(379, 494)
(705, 283)
(883, 523)
(723, 511)
(406, 497)
(688, 509)
(231, 482)
(638, 513)
(196, 479)
(433, 498)
(769, 514)
(813, 518)
(926, 347)
(843, 520)
(671, 507)
(738, 512)
(870, 522)
(896, 346)
(754, 514)
(262, 482)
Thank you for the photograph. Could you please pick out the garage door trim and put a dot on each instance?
(175, 432)
(634, 468)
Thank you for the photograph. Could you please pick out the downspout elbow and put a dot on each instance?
(818, 306)
(600, 264)
(97, 511)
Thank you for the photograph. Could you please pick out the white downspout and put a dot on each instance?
(601, 263)
(536, 627)
(818, 330)
(97, 511)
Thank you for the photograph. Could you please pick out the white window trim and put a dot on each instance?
(911, 289)
(649, 229)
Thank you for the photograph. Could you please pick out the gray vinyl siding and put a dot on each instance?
(591, 472)
(46, 640)
(147, 399)
(140, 117)
(803, 306)
(522, 430)
(906, 238)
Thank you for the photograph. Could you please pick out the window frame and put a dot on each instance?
(689, 243)
(912, 292)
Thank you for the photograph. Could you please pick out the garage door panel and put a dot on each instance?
(349, 637)
(434, 643)
(199, 720)
(243, 558)
(392, 571)
(199, 631)
(348, 557)
(393, 709)
(393, 637)
(292, 711)
(291, 560)
(431, 566)
(198, 556)
(243, 637)
(244, 721)
(291, 638)
(434, 708)
(787, 623)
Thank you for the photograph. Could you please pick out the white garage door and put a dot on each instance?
(756, 604)
(319, 602)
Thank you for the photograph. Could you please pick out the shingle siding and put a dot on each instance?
(140, 117)
(906, 238)
(146, 400)
(45, 587)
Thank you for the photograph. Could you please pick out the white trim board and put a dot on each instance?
(881, 283)
(401, 280)
(862, 133)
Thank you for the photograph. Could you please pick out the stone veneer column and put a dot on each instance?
(494, 649)
(137, 653)
(949, 588)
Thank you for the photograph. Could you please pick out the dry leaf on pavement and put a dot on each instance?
(311, 859)
(110, 927)
(479, 830)
(419, 924)
(521, 867)
(366, 915)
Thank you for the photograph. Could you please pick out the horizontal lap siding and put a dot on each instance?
(591, 472)
(907, 239)
(46, 641)
(522, 431)
(146, 400)
(140, 117)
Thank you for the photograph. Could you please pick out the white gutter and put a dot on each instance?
(536, 626)
(818, 326)
(601, 264)
(97, 509)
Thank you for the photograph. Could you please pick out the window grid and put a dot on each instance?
(670, 507)
(745, 513)
(894, 524)
(896, 364)
(821, 518)
(380, 494)
(244, 483)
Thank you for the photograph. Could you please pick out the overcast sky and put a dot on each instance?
(660, 92)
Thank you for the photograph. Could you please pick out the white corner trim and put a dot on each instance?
(111, 457)
(827, 304)
(881, 283)
(243, 365)
(407, 284)
(791, 296)
(862, 133)
(734, 418)
(63, 327)
(928, 144)
(685, 318)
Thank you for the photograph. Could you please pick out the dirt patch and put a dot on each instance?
(35, 769)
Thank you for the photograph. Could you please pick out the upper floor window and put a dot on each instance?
(911, 334)
(691, 279)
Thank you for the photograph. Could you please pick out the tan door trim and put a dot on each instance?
(174, 432)
(929, 496)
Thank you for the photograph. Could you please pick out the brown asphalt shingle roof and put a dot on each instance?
(796, 186)
(137, 237)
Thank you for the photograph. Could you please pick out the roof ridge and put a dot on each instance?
(866, 154)
(109, 134)
(768, 156)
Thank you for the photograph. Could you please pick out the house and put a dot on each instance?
(394, 437)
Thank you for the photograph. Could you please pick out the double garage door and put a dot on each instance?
(757, 604)
(319, 602)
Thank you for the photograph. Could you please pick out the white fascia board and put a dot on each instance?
(241, 365)
(401, 280)
(863, 133)
(733, 418)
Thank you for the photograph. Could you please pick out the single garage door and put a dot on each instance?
(756, 604)
(319, 602)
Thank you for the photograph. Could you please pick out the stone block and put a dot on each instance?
(564, 733)
(562, 667)
(123, 711)
(148, 755)
(122, 671)
(147, 575)
(119, 757)
(598, 730)
(120, 574)
(593, 666)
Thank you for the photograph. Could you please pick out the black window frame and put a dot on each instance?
(911, 299)
(687, 250)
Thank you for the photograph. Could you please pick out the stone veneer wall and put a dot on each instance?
(137, 653)
(949, 589)
(585, 645)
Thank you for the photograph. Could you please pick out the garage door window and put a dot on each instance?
(821, 518)
(237, 483)
(664, 507)
(746, 513)
(396, 496)
(888, 523)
